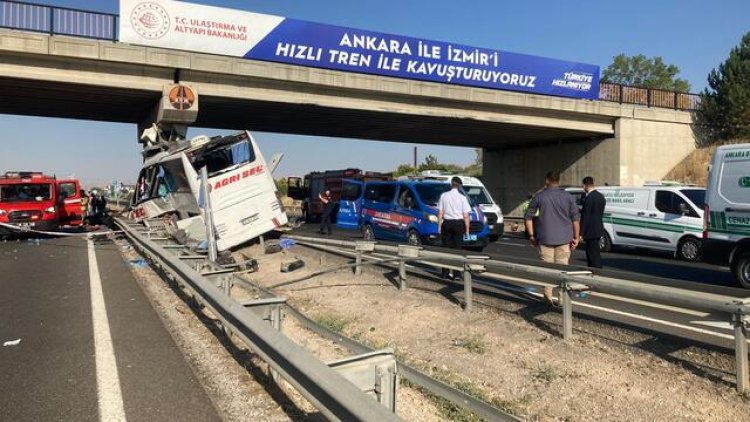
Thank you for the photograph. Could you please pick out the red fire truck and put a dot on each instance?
(308, 188)
(33, 200)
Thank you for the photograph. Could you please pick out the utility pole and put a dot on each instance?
(415, 157)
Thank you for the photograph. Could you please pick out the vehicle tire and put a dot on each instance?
(413, 239)
(494, 237)
(741, 268)
(367, 233)
(605, 243)
(689, 249)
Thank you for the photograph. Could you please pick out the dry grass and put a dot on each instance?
(694, 168)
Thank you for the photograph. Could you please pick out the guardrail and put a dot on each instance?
(735, 309)
(55, 20)
(327, 390)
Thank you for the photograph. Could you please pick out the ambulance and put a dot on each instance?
(726, 234)
(243, 194)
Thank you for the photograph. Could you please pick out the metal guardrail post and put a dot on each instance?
(361, 247)
(740, 352)
(567, 288)
(468, 292)
(405, 252)
(567, 313)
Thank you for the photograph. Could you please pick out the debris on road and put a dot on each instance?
(289, 266)
(138, 263)
(12, 343)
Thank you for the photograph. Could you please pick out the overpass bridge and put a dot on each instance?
(84, 73)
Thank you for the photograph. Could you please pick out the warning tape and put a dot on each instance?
(58, 234)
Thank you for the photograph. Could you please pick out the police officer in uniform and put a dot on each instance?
(453, 217)
(328, 206)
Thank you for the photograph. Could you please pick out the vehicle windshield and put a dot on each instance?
(24, 192)
(697, 196)
(478, 195)
(224, 156)
(430, 192)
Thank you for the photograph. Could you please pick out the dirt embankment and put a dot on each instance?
(511, 354)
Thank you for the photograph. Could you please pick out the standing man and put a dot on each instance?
(328, 205)
(592, 226)
(453, 217)
(557, 228)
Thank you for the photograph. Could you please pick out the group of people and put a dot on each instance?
(554, 224)
(96, 206)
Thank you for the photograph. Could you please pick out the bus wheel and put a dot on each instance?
(605, 243)
(741, 269)
(367, 233)
(413, 238)
(689, 249)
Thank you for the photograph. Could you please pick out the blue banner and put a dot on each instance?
(332, 47)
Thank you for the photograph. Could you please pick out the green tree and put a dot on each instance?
(724, 110)
(282, 186)
(645, 72)
(475, 168)
(431, 163)
(405, 170)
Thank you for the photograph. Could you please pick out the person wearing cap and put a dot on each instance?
(453, 217)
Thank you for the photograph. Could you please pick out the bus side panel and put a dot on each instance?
(244, 203)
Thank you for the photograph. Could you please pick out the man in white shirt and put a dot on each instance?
(453, 216)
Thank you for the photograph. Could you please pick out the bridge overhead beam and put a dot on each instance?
(100, 80)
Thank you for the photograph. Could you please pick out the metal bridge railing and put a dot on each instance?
(648, 97)
(55, 20)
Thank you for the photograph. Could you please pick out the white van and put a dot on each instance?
(726, 239)
(475, 190)
(656, 216)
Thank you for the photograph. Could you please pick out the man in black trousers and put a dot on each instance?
(592, 226)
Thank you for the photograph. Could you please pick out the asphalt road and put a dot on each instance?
(80, 358)
(635, 264)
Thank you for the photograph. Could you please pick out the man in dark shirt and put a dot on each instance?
(557, 228)
(592, 226)
(328, 206)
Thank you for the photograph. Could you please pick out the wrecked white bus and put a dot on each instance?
(242, 191)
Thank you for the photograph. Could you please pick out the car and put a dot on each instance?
(403, 210)
(726, 229)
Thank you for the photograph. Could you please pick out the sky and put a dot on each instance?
(695, 35)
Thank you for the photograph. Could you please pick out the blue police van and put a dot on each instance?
(403, 211)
